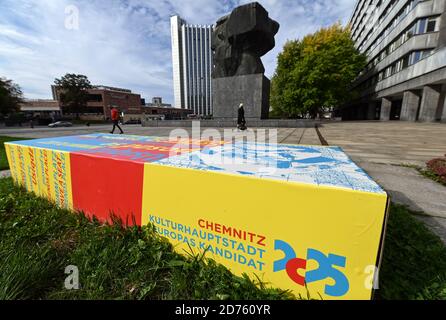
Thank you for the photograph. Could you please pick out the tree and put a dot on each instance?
(315, 73)
(10, 97)
(73, 94)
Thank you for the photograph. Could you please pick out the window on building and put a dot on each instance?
(394, 68)
(399, 65)
(95, 110)
(416, 56)
(431, 24)
(405, 62)
(406, 9)
(421, 26)
(426, 53)
(393, 46)
(95, 97)
(412, 31)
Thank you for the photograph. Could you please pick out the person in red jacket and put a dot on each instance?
(115, 119)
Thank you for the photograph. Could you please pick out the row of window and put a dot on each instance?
(382, 17)
(396, 20)
(387, 11)
(421, 26)
(198, 76)
(365, 22)
(397, 66)
(363, 18)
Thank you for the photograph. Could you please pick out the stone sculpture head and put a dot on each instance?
(240, 39)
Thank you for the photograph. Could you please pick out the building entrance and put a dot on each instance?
(395, 111)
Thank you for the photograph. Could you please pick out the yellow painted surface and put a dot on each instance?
(11, 153)
(45, 172)
(253, 214)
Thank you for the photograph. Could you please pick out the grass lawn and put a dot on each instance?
(3, 158)
(38, 241)
(414, 262)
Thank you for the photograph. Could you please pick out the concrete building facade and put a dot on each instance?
(192, 66)
(405, 44)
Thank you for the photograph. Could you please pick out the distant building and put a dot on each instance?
(40, 108)
(192, 66)
(165, 113)
(158, 102)
(405, 43)
(157, 110)
(102, 97)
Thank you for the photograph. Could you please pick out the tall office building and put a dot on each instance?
(405, 43)
(192, 66)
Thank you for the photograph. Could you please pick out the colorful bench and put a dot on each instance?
(298, 217)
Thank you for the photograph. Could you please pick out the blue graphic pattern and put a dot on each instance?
(322, 166)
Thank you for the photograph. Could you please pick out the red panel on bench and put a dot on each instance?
(101, 185)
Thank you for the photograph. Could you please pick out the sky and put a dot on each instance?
(126, 43)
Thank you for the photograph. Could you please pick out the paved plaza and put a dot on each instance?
(372, 142)
(392, 142)
(383, 149)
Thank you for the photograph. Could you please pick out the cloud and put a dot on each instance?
(126, 43)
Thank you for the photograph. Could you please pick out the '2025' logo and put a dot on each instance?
(292, 264)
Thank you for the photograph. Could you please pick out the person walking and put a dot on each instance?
(241, 122)
(115, 119)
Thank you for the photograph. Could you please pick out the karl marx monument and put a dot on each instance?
(239, 40)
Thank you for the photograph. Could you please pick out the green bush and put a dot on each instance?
(438, 168)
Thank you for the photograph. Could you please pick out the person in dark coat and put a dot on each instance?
(241, 122)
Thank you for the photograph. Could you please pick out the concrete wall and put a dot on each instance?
(429, 104)
(431, 63)
(441, 110)
(252, 90)
(411, 103)
(418, 83)
(386, 106)
(442, 37)
(231, 123)
(443, 115)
